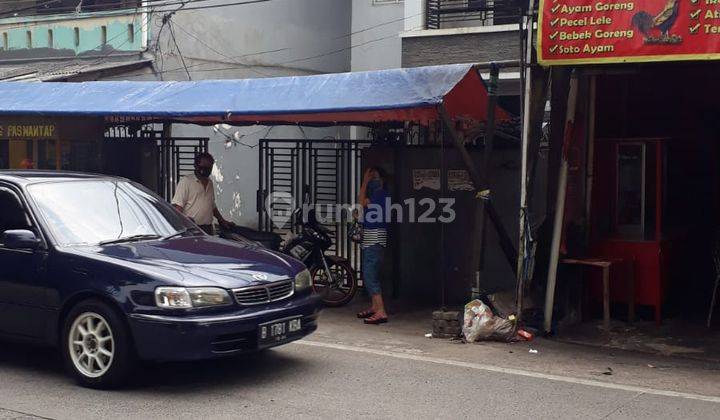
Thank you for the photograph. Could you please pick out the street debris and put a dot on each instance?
(526, 335)
(428, 335)
(480, 323)
(533, 351)
(607, 372)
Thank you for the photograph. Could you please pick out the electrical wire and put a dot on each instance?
(349, 34)
(286, 62)
(341, 49)
(107, 41)
(182, 59)
(65, 65)
(234, 59)
(165, 20)
(106, 55)
(279, 64)
(144, 24)
(114, 6)
(211, 48)
(14, 12)
(369, 28)
(148, 9)
(233, 140)
(215, 6)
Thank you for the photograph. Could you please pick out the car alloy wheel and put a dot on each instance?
(91, 345)
(97, 347)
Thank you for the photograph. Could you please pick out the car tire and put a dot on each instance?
(96, 345)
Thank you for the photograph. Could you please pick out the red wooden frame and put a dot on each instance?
(650, 256)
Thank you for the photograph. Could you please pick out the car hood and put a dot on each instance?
(198, 261)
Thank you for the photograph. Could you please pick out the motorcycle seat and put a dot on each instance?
(270, 239)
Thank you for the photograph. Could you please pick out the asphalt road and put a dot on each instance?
(320, 379)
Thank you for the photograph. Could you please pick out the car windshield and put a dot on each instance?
(98, 211)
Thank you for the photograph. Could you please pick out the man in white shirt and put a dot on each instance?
(195, 195)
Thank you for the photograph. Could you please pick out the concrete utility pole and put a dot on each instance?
(560, 204)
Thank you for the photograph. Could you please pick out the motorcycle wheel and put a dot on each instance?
(338, 291)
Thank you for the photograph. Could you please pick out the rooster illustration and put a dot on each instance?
(663, 22)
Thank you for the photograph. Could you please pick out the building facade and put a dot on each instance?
(66, 41)
(269, 39)
(71, 40)
(465, 31)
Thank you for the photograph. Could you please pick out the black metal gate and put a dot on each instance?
(325, 173)
(174, 156)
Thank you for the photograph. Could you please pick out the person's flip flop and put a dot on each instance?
(365, 314)
(377, 321)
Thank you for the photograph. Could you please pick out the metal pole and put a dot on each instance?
(480, 211)
(560, 204)
(527, 90)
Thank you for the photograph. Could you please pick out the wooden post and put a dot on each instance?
(560, 204)
(590, 164)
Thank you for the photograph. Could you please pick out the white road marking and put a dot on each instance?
(511, 371)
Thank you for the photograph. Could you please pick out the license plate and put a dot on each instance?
(275, 332)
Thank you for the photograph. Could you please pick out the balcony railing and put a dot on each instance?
(51, 7)
(466, 13)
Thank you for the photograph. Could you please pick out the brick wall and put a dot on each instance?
(461, 48)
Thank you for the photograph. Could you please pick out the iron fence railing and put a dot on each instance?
(18, 8)
(464, 13)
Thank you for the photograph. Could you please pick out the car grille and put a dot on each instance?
(256, 295)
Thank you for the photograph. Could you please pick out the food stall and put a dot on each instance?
(635, 146)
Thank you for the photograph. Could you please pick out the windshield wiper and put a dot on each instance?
(132, 238)
(181, 233)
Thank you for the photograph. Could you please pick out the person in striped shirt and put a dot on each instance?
(375, 201)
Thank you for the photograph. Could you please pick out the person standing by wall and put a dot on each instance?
(195, 195)
(373, 198)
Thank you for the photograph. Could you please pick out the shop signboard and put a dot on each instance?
(27, 131)
(626, 31)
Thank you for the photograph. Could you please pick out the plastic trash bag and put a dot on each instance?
(479, 323)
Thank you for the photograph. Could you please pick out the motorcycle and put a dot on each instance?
(333, 277)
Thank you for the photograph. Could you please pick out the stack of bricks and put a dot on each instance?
(447, 324)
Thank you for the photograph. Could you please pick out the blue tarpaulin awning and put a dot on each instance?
(412, 94)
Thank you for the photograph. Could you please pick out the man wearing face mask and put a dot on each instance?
(195, 195)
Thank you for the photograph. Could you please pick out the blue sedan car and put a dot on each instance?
(110, 273)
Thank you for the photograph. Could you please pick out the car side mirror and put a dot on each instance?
(20, 239)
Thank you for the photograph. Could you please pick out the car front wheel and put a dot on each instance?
(96, 345)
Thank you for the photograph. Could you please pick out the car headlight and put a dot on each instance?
(191, 297)
(303, 280)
